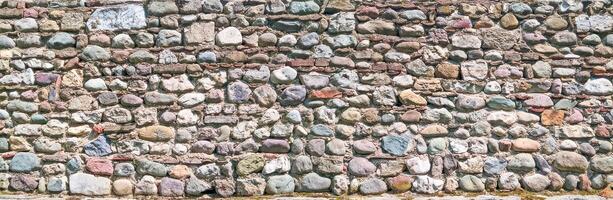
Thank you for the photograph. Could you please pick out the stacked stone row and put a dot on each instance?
(244, 98)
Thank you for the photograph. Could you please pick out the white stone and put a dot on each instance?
(278, 165)
(117, 18)
(90, 185)
(229, 36)
(600, 87)
(418, 165)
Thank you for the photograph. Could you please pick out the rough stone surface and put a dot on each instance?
(221, 98)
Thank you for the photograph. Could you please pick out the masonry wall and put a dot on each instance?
(242, 98)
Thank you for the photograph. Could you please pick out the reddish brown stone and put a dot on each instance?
(99, 166)
(30, 13)
(504, 145)
(369, 11)
(602, 131)
(301, 63)
(400, 183)
(584, 182)
(326, 93)
(552, 117)
(98, 128)
(72, 63)
(236, 57)
(120, 56)
(526, 145)
(599, 70)
(484, 23)
(411, 116)
(447, 70)
(371, 115)
(180, 171)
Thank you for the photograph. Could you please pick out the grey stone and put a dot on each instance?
(602, 164)
(494, 165)
(124, 169)
(146, 186)
(161, 8)
(396, 145)
(343, 22)
(238, 92)
(293, 95)
(148, 167)
(114, 18)
(280, 184)
(196, 187)
(207, 57)
(170, 187)
(303, 7)
(60, 40)
(56, 184)
(522, 162)
(168, 38)
(471, 183)
(535, 182)
(413, 15)
(427, 185)
(95, 53)
(465, 41)
(509, 181)
(284, 75)
(564, 38)
(313, 182)
(308, 40)
(600, 87)
(322, 130)
(26, 25)
(6, 42)
(373, 186)
(361, 167)
(25, 162)
(212, 6)
(122, 41)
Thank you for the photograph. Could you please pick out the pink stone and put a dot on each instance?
(502, 72)
(539, 100)
(370, 11)
(574, 116)
(99, 166)
(461, 23)
(29, 95)
(30, 13)
(602, 131)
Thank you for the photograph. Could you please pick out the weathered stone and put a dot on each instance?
(113, 18)
(312, 182)
(280, 184)
(373, 186)
(535, 182)
(570, 162)
(250, 164)
(156, 133)
(361, 167)
(25, 162)
(86, 184)
(95, 53)
(428, 185)
(229, 36)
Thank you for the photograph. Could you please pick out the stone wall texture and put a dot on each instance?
(262, 97)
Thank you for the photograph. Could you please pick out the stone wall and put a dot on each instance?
(240, 98)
